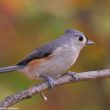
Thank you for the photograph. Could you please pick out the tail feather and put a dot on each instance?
(9, 68)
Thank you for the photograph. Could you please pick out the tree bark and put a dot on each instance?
(29, 92)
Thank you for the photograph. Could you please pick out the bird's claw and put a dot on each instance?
(50, 80)
(73, 75)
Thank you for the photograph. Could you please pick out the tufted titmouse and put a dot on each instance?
(52, 59)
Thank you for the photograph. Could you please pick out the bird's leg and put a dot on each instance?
(50, 80)
(51, 83)
(73, 75)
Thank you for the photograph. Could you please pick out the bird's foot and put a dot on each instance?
(73, 75)
(50, 80)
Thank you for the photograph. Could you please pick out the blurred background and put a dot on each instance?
(27, 24)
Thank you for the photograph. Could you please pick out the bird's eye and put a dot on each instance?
(80, 38)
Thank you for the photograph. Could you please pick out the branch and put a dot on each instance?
(27, 93)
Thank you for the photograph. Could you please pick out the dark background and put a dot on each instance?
(27, 24)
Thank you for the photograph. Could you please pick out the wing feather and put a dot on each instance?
(39, 53)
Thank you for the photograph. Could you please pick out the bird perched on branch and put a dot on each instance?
(52, 59)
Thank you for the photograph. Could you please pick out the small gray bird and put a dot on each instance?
(53, 59)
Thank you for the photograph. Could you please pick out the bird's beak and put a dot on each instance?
(89, 42)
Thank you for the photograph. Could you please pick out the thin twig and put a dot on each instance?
(27, 93)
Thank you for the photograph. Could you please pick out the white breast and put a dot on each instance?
(62, 59)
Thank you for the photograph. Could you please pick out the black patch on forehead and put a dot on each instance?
(86, 39)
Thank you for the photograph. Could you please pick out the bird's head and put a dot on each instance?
(77, 38)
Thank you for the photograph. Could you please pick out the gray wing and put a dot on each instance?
(39, 53)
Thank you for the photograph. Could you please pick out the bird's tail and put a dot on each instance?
(9, 68)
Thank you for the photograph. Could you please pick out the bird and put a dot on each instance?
(52, 59)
